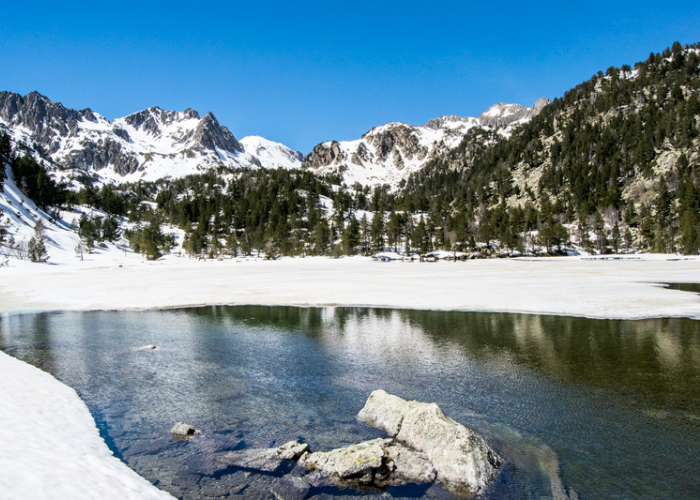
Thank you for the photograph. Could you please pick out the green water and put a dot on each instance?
(577, 407)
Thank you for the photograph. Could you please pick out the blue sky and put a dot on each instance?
(304, 72)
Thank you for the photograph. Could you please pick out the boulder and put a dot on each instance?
(461, 458)
(182, 431)
(379, 462)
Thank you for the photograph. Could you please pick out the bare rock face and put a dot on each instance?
(324, 154)
(462, 459)
(211, 135)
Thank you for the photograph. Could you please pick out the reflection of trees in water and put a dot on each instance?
(37, 351)
(658, 358)
(655, 357)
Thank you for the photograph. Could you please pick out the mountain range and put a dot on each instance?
(155, 143)
(148, 145)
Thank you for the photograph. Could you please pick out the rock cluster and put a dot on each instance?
(424, 446)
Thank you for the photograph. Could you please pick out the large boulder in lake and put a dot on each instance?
(462, 459)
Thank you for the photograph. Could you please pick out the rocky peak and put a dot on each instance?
(152, 120)
(503, 114)
(539, 104)
(45, 119)
(191, 114)
(212, 135)
(441, 121)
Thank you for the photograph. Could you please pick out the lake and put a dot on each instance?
(578, 408)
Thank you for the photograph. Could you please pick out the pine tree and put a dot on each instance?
(36, 249)
(351, 236)
(377, 232)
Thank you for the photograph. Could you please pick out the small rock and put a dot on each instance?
(182, 431)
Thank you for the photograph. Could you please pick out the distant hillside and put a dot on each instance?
(610, 167)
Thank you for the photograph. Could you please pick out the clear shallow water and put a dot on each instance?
(593, 408)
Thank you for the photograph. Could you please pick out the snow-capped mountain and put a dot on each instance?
(389, 153)
(149, 144)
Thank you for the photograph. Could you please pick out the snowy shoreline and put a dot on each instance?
(629, 288)
(50, 445)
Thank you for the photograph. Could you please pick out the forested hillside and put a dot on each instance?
(616, 157)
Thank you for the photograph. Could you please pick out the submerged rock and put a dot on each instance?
(290, 488)
(461, 458)
(182, 431)
(263, 459)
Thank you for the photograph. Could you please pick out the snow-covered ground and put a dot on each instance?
(583, 286)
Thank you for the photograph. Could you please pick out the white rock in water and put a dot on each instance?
(182, 431)
(460, 456)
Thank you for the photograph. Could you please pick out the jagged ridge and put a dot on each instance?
(149, 144)
(390, 153)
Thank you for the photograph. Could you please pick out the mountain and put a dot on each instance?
(390, 153)
(149, 144)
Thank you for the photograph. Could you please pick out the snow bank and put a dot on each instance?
(50, 447)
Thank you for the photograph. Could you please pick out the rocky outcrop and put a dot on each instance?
(324, 154)
(211, 135)
(462, 459)
(502, 115)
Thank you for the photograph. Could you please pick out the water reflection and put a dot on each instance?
(607, 409)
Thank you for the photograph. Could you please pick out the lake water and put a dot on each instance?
(577, 407)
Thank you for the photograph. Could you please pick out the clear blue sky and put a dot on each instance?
(305, 72)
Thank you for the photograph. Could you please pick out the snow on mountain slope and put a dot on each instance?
(271, 154)
(389, 153)
(148, 145)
